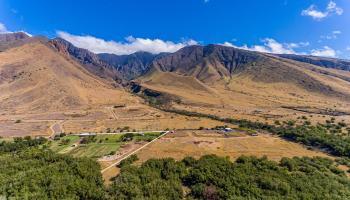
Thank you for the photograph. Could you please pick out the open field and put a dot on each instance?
(189, 143)
(9, 128)
(58, 147)
(102, 145)
(198, 143)
(95, 150)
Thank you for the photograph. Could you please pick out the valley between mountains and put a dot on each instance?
(50, 88)
(47, 81)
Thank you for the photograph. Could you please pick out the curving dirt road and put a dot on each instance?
(56, 128)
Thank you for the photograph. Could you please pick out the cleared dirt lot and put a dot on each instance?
(199, 143)
(9, 128)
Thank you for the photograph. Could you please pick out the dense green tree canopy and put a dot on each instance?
(33, 173)
(212, 177)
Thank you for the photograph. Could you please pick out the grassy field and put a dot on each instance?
(59, 147)
(101, 145)
(95, 150)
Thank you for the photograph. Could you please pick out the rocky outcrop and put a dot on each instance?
(207, 63)
(88, 59)
(130, 66)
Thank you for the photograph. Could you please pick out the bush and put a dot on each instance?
(127, 137)
(128, 161)
(88, 139)
(65, 141)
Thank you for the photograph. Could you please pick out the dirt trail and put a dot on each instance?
(56, 128)
(111, 110)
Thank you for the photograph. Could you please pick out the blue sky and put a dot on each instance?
(280, 26)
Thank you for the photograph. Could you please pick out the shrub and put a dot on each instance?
(127, 137)
(88, 139)
(128, 161)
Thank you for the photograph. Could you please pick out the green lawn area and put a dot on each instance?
(58, 147)
(100, 146)
(149, 136)
(108, 138)
(95, 150)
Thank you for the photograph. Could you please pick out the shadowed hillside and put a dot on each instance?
(89, 60)
(320, 61)
(130, 66)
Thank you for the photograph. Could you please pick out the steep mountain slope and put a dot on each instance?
(9, 37)
(319, 61)
(213, 63)
(109, 66)
(232, 81)
(89, 60)
(130, 66)
(34, 77)
(206, 63)
(8, 40)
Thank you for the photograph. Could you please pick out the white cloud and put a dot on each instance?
(336, 32)
(129, 46)
(297, 45)
(3, 28)
(316, 14)
(228, 44)
(324, 52)
(332, 36)
(332, 8)
(348, 48)
(271, 46)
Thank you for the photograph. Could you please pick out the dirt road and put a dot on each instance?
(128, 155)
(56, 128)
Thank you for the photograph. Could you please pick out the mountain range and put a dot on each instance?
(39, 75)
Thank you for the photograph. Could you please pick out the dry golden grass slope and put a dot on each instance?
(35, 78)
(230, 82)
